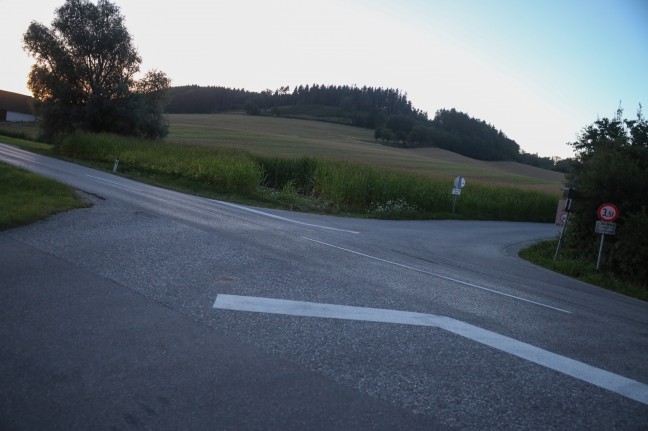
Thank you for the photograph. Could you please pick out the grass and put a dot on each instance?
(26, 197)
(24, 135)
(23, 130)
(542, 254)
(292, 138)
(306, 183)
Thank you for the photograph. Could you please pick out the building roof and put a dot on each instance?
(15, 102)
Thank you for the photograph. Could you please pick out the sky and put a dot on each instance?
(539, 70)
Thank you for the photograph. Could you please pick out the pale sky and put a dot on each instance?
(538, 70)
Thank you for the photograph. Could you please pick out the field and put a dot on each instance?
(292, 138)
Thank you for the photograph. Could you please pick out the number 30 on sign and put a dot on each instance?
(608, 212)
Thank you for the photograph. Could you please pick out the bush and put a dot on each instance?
(630, 252)
(612, 167)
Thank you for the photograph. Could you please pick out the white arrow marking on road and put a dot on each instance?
(596, 376)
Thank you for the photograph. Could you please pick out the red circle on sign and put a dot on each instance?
(608, 212)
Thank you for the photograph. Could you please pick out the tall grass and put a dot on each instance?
(573, 264)
(344, 186)
(358, 187)
(224, 170)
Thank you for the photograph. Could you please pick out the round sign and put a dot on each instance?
(608, 212)
(459, 182)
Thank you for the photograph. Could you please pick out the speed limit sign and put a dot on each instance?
(608, 212)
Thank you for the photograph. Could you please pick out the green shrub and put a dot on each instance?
(630, 252)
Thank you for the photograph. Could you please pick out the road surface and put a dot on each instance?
(158, 310)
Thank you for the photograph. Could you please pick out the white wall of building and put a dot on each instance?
(17, 117)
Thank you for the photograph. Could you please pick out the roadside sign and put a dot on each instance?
(608, 212)
(605, 228)
(459, 184)
(561, 212)
(562, 217)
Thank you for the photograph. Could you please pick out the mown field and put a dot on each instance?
(292, 138)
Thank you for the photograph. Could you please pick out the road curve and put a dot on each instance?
(423, 323)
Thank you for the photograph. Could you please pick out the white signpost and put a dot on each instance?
(459, 184)
(605, 228)
(562, 217)
(607, 213)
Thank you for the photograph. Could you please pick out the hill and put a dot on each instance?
(386, 111)
(287, 137)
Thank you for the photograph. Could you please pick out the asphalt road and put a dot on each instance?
(157, 310)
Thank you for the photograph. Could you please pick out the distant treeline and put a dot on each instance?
(385, 110)
(365, 107)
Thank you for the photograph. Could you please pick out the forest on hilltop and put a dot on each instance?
(385, 110)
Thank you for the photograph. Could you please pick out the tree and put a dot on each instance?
(612, 166)
(84, 76)
(474, 138)
(251, 108)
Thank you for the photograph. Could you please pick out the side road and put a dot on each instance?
(81, 352)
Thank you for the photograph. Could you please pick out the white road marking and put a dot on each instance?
(437, 275)
(274, 216)
(596, 376)
(114, 183)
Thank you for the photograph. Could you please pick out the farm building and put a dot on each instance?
(16, 107)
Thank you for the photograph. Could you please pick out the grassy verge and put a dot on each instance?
(26, 197)
(306, 183)
(542, 254)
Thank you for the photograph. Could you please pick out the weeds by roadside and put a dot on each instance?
(27, 197)
(579, 267)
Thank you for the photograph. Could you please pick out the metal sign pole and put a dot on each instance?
(598, 261)
(454, 203)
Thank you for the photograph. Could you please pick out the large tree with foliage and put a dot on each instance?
(84, 76)
(612, 167)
